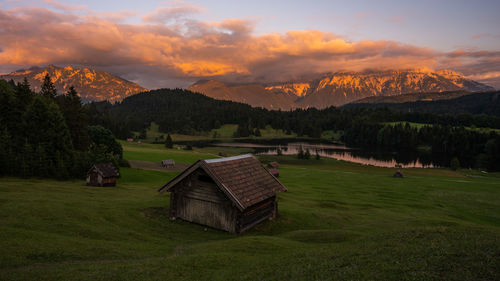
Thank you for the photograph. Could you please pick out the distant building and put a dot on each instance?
(130, 140)
(232, 194)
(274, 172)
(167, 163)
(398, 174)
(274, 165)
(104, 174)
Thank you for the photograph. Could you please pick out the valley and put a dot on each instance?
(336, 215)
(249, 140)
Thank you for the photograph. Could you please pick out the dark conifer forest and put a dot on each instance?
(47, 135)
(446, 135)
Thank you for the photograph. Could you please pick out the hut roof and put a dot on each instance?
(106, 170)
(274, 172)
(242, 178)
(274, 165)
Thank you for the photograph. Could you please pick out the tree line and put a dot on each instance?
(185, 112)
(48, 135)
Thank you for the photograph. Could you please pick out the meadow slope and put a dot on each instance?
(337, 221)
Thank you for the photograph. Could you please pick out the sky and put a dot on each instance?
(175, 43)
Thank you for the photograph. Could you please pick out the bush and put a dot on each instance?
(454, 164)
(123, 163)
(168, 142)
(307, 155)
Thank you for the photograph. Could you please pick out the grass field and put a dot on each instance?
(338, 221)
(225, 132)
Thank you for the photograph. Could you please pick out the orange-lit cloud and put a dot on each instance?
(163, 48)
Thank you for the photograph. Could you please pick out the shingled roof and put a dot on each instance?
(106, 170)
(242, 178)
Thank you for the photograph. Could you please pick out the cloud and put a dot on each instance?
(167, 14)
(481, 35)
(64, 6)
(165, 52)
(397, 19)
(362, 15)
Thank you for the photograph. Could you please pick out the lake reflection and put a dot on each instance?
(341, 152)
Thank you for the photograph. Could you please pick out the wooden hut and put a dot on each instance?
(273, 165)
(167, 163)
(104, 174)
(274, 172)
(398, 174)
(232, 194)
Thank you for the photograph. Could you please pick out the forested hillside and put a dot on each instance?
(47, 135)
(479, 103)
(181, 111)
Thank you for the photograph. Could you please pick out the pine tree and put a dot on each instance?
(454, 164)
(75, 117)
(307, 154)
(168, 142)
(23, 92)
(48, 89)
(300, 155)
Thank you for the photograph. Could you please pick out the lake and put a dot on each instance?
(341, 152)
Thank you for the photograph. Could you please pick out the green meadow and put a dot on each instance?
(338, 221)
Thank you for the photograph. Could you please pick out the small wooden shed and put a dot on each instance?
(274, 172)
(397, 174)
(104, 174)
(273, 165)
(167, 163)
(232, 194)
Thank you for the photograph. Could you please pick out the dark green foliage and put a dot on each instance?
(244, 130)
(307, 154)
(182, 111)
(168, 142)
(318, 157)
(257, 132)
(300, 154)
(479, 103)
(105, 140)
(75, 117)
(279, 152)
(48, 90)
(143, 134)
(38, 133)
(454, 164)
(123, 163)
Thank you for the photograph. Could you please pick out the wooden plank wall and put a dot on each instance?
(256, 214)
(202, 202)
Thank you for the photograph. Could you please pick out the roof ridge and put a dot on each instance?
(208, 161)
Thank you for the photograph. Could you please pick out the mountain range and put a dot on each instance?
(332, 89)
(91, 85)
(340, 88)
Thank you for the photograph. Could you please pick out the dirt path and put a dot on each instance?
(156, 166)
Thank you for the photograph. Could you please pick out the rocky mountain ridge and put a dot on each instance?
(91, 85)
(340, 88)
